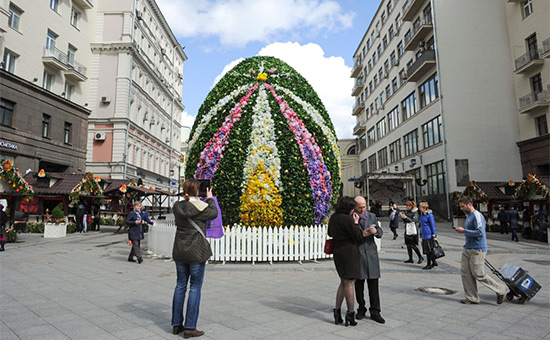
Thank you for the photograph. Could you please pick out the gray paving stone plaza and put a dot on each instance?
(82, 287)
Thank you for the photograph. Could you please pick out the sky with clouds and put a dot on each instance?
(315, 37)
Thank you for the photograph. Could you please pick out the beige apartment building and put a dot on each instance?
(136, 78)
(44, 83)
(529, 38)
(437, 97)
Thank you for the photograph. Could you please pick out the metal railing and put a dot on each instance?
(534, 97)
(527, 58)
(359, 126)
(52, 52)
(78, 67)
(426, 56)
(358, 84)
(358, 103)
(406, 6)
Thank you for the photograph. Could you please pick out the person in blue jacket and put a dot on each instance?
(428, 233)
(135, 232)
(146, 221)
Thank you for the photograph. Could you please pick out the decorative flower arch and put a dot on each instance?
(14, 179)
(531, 186)
(475, 192)
(88, 185)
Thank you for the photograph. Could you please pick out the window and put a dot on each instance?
(47, 81)
(50, 40)
(382, 99)
(371, 136)
(436, 178)
(389, 6)
(371, 87)
(382, 157)
(395, 151)
(379, 49)
(388, 91)
(408, 36)
(536, 83)
(363, 142)
(410, 141)
(542, 125)
(431, 132)
(374, 58)
(372, 163)
(392, 58)
(364, 167)
(9, 61)
(385, 41)
(71, 52)
(381, 128)
(527, 8)
(399, 49)
(376, 104)
(391, 32)
(364, 51)
(393, 118)
(352, 150)
(427, 14)
(69, 89)
(532, 46)
(375, 78)
(15, 17)
(75, 16)
(398, 21)
(6, 111)
(54, 4)
(387, 66)
(428, 91)
(383, 17)
(394, 85)
(46, 125)
(368, 44)
(408, 106)
(67, 134)
(369, 64)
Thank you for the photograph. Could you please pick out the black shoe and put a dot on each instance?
(434, 264)
(131, 260)
(2, 249)
(337, 316)
(177, 329)
(140, 260)
(378, 318)
(350, 318)
(427, 267)
(420, 260)
(500, 299)
(394, 237)
(360, 314)
(409, 261)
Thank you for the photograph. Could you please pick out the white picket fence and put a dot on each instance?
(251, 244)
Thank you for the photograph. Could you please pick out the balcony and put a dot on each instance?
(410, 8)
(419, 32)
(84, 4)
(529, 61)
(356, 69)
(545, 49)
(358, 108)
(421, 66)
(75, 71)
(54, 58)
(359, 128)
(359, 85)
(534, 101)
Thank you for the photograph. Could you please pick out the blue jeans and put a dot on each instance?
(194, 273)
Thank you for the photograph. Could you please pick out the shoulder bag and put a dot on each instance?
(438, 251)
(329, 246)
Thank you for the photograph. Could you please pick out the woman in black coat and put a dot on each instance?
(411, 232)
(343, 227)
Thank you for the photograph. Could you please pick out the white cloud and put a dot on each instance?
(237, 22)
(187, 120)
(329, 77)
(226, 69)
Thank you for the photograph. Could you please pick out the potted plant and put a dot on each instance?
(57, 225)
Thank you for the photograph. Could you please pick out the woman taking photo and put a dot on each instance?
(343, 227)
(428, 233)
(191, 251)
(410, 218)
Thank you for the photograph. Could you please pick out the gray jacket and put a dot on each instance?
(370, 264)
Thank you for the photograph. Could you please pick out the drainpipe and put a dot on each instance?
(125, 155)
(445, 156)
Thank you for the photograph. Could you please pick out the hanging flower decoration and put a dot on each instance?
(14, 179)
(41, 173)
(265, 140)
(511, 183)
(87, 186)
(475, 192)
(123, 188)
(97, 179)
(530, 187)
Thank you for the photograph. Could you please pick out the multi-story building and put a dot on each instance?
(435, 96)
(136, 85)
(45, 49)
(529, 39)
(349, 154)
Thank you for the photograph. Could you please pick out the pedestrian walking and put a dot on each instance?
(3, 222)
(394, 219)
(370, 264)
(513, 219)
(527, 226)
(135, 232)
(472, 266)
(503, 219)
(411, 219)
(190, 253)
(97, 218)
(343, 227)
(428, 234)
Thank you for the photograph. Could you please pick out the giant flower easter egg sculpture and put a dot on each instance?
(265, 140)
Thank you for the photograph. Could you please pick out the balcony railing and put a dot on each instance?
(85, 4)
(546, 48)
(534, 100)
(419, 31)
(410, 8)
(360, 127)
(356, 69)
(527, 58)
(76, 70)
(55, 58)
(357, 88)
(359, 105)
(424, 61)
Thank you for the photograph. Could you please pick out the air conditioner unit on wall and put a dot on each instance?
(99, 136)
(105, 100)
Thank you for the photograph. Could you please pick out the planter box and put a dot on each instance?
(458, 221)
(52, 230)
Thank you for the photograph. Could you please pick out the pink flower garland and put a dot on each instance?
(213, 151)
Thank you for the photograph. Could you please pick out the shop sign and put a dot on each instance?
(8, 145)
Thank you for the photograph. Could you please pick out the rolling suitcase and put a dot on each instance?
(520, 283)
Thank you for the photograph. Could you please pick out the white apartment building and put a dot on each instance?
(529, 39)
(136, 79)
(435, 97)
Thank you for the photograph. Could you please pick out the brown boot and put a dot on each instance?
(192, 333)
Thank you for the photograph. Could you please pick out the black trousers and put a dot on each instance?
(374, 296)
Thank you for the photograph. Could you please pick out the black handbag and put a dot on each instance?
(438, 251)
